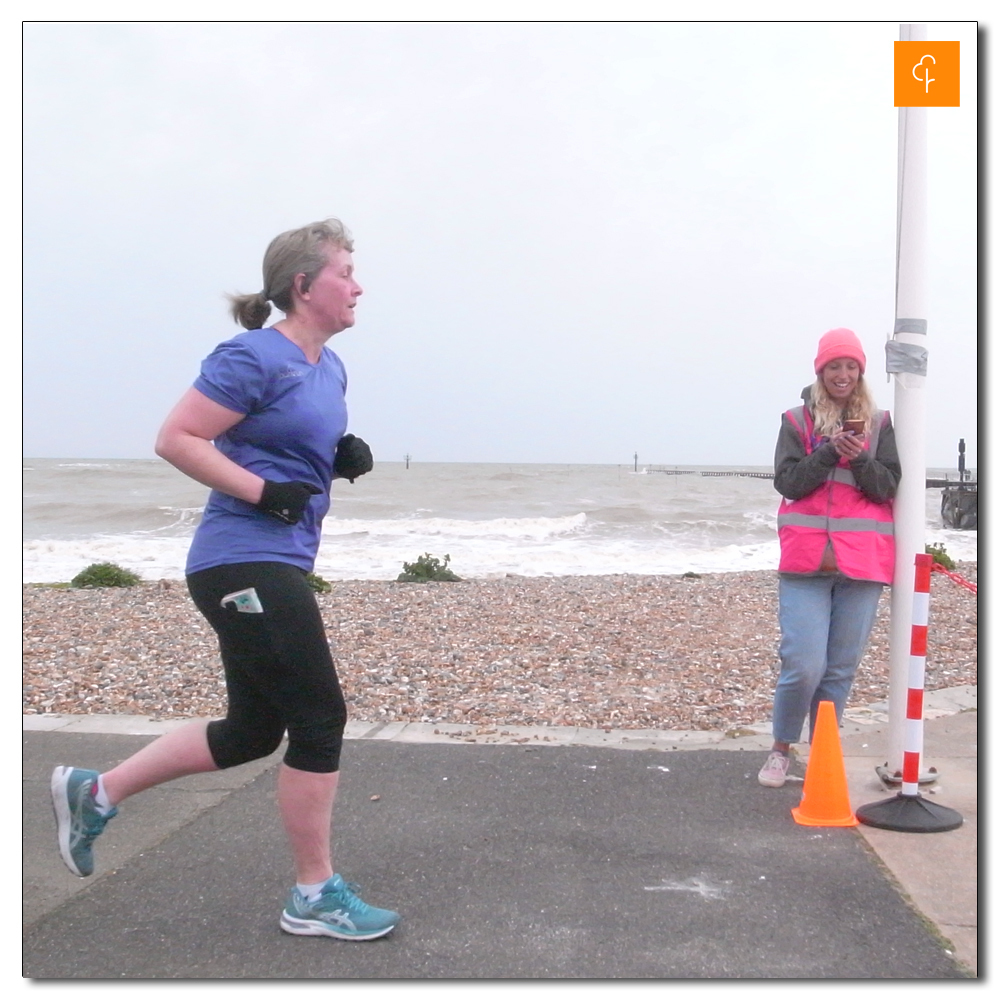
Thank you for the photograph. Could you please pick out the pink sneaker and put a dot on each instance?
(775, 770)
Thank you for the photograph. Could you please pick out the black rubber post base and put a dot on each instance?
(909, 814)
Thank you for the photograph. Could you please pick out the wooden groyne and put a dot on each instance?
(943, 484)
(696, 472)
(931, 484)
(743, 475)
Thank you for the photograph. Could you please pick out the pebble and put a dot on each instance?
(615, 652)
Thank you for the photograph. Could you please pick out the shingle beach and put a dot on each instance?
(626, 652)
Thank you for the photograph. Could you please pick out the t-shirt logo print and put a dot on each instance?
(289, 372)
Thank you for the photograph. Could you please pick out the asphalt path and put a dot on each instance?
(508, 862)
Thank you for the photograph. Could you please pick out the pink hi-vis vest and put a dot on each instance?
(859, 529)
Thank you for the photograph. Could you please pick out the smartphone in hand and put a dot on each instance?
(856, 427)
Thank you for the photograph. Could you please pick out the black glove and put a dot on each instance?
(353, 458)
(286, 501)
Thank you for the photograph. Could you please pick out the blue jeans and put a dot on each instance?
(825, 623)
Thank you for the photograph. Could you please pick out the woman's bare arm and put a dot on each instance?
(185, 441)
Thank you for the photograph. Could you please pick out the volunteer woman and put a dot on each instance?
(836, 534)
(263, 426)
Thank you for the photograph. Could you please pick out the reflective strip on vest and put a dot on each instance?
(834, 523)
(844, 476)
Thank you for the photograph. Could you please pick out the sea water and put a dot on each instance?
(491, 519)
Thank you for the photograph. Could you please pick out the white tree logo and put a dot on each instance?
(926, 79)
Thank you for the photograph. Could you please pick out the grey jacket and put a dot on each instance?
(797, 474)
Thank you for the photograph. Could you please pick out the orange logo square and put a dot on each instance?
(926, 74)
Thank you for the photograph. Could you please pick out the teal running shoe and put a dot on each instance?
(338, 912)
(78, 820)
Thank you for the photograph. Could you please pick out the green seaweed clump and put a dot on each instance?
(940, 555)
(318, 583)
(105, 574)
(426, 569)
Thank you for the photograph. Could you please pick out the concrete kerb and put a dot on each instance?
(755, 737)
(440, 732)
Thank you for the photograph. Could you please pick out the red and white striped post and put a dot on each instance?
(913, 728)
(909, 811)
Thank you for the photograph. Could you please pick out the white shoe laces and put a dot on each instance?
(776, 763)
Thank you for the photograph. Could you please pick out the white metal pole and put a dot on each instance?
(906, 355)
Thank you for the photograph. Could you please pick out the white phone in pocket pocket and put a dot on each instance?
(245, 600)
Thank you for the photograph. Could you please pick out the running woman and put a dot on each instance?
(263, 427)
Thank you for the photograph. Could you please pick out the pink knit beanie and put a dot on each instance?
(839, 343)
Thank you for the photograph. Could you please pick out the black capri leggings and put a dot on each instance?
(279, 672)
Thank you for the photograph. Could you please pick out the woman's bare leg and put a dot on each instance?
(305, 800)
(174, 755)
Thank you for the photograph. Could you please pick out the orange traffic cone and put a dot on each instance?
(824, 795)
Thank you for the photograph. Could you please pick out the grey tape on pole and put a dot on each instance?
(901, 357)
(910, 326)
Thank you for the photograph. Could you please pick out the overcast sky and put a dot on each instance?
(577, 240)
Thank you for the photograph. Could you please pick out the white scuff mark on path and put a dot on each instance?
(705, 888)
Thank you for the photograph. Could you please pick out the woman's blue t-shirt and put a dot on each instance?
(295, 415)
